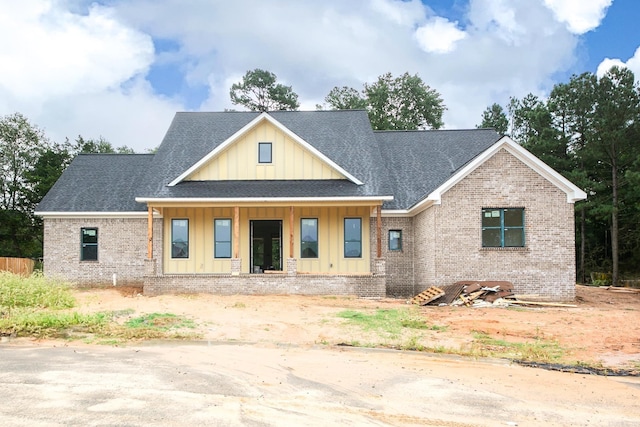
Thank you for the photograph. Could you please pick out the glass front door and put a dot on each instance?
(266, 245)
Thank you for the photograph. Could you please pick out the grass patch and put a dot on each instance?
(388, 322)
(160, 321)
(38, 306)
(35, 291)
(538, 350)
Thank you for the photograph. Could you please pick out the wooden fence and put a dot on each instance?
(22, 266)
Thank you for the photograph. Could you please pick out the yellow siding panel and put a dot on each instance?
(330, 238)
(239, 161)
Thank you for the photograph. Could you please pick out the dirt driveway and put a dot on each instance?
(271, 361)
(604, 330)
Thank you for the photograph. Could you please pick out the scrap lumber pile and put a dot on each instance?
(474, 293)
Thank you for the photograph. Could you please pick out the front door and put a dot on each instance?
(266, 245)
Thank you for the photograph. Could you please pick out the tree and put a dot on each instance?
(20, 147)
(345, 98)
(401, 103)
(616, 121)
(259, 91)
(495, 117)
(99, 146)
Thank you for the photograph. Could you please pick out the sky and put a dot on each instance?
(121, 69)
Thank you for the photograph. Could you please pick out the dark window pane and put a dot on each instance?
(89, 244)
(491, 238)
(513, 237)
(89, 252)
(352, 229)
(395, 240)
(309, 238)
(180, 238)
(352, 250)
(89, 235)
(264, 152)
(491, 217)
(513, 217)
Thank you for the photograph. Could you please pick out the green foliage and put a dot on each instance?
(35, 291)
(400, 103)
(30, 322)
(588, 130)
(537, 350)
(258, 91)
(160, 321)
(99, 146)
(390, 322)
(495, 117)
(345, 98)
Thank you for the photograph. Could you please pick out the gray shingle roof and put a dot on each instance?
(98, 183)
(406, 165)
(418, 162)
(270, 188)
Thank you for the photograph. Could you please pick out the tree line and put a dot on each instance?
(588, 129)
(29, 166)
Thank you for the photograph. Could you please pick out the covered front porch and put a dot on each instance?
(324, 248)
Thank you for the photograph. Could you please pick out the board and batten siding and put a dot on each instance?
(330, 238)
(239, 161)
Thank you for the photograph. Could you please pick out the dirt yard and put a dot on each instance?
(603, 330)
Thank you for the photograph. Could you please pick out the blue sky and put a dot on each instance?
(121, 69)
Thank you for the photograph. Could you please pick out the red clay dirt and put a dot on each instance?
(603, 330)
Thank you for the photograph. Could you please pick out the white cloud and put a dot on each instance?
(439, 35)
(85, 73)
(55, 52)
(580, 16)
(632, 64)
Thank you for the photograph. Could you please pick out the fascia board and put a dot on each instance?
(259, 199)
(280, 126)
(74, 215)
(572, 191)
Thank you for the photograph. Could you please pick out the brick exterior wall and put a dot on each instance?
(398, 264)
(363, 286)
(122, 249)
(448, 236)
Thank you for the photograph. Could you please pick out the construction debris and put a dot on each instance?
(425, 297)
(477, 294)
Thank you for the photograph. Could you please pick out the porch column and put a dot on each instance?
(290, 231)
(379, 231)
(150, 233)
(236, 231)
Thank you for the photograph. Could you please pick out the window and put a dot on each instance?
(309, 238)
(264, 152)
(395, 240)
(503, 228)
(179, 238)
(89, 244)
(222, 238)
(352, 237)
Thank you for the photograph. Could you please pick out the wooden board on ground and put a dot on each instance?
(425, 297)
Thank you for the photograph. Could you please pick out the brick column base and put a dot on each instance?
(292, 266)
(150, 267)
(236, 266)
(379, 267)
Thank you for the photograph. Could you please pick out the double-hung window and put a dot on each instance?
(352, 237)
(503, 227)
(222, 238)
(309, 238)
(89, 244)
(179, 238)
